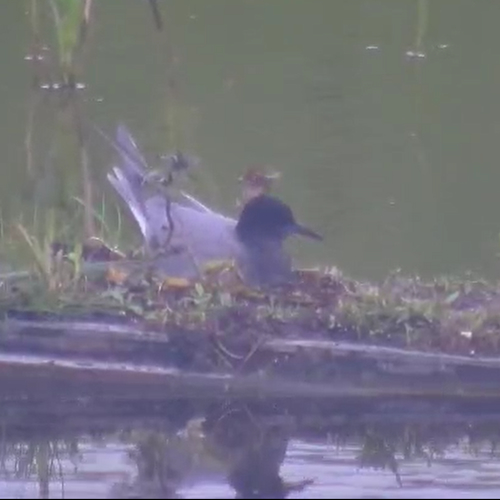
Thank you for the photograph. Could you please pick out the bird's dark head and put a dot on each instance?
(267, 218)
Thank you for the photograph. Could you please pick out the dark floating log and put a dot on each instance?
(72, 360)
(34, 378)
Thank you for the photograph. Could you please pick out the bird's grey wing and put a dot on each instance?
(129, 195)
(207, 235)
(131, 159)
(192, 202)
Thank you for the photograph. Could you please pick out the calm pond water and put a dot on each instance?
(382, 116)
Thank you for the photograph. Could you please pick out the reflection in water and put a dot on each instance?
(248, 451)
(242, 448)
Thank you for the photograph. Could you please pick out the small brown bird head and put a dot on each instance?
(256, 182)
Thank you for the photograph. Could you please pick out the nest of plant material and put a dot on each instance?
(445, 314)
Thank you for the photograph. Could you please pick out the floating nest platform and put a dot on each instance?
(112, 328)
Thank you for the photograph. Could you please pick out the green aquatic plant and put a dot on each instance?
(103, 230)
(52, 269)
(71, 18)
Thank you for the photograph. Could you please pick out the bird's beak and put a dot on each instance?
(305, 231)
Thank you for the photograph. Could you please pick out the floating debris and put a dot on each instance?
(56, 86)
(37, 57)
(415, 54)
